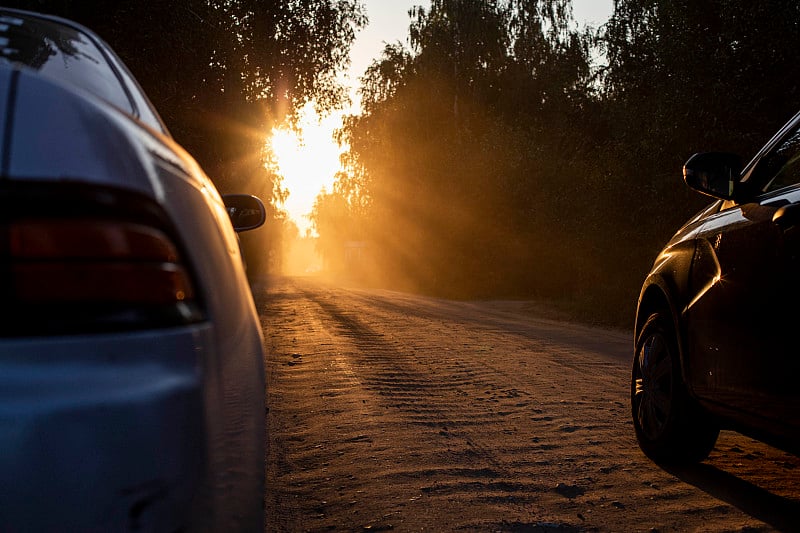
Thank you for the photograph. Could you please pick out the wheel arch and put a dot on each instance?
(655, 296)
(658, 295)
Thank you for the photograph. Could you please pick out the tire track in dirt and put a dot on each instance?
(447, 431)
(528, 422)
(389, 413)
(392, 372)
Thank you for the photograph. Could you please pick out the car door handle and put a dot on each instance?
(787, 216)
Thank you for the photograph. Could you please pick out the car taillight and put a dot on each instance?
(94, 260)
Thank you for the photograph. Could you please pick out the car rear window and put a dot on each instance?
(63, 53)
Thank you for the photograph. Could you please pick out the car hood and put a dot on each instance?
(51, 131)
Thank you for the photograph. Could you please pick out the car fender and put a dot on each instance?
(669, 286)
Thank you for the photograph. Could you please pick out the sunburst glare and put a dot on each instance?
(308, 161)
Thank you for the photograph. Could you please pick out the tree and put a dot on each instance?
(446, 147)
(223, 72)
(686, 76)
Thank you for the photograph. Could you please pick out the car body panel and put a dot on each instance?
(741, 328)
(668, 278)
(101, 144)
(139, 430)
(144, 403)
(728, 279)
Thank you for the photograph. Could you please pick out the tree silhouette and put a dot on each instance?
(223, 72)
(493, 159)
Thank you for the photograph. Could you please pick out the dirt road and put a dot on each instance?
(388, 411)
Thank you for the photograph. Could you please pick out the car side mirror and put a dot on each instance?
(246, 211)
(714, 173)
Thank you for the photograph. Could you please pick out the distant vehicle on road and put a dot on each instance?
(131, 355)
(717, 314)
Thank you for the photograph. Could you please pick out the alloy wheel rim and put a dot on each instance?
(653, 386)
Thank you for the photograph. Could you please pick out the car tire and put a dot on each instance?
(671, 427)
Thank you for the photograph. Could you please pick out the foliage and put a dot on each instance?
(223, 72)
(497, 156)
(444, 152)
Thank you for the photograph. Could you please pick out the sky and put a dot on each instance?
(308, 166)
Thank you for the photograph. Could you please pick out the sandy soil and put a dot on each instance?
(388, 411)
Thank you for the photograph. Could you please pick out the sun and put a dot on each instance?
(308, 161)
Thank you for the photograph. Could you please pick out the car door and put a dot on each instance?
(741, 325)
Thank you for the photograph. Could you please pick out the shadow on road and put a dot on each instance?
(779, 512)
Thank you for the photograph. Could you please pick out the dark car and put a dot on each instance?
(714, 336)
(131, 353)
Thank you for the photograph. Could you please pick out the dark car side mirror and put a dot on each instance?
(713, 173)
(246, 211)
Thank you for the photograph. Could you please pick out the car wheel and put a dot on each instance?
(670, 425)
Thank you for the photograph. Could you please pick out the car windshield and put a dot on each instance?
(61, 52)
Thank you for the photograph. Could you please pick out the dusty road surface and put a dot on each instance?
(392, 412)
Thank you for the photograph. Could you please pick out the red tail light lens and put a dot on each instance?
(91, 270)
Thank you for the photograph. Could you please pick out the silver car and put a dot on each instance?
(131, 354)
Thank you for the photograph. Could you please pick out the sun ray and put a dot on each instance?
(307, 159)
